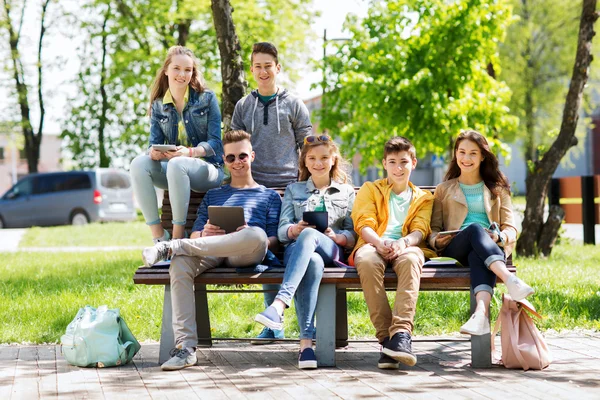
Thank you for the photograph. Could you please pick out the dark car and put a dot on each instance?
(74, 197)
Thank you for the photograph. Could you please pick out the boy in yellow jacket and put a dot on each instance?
(391, 217)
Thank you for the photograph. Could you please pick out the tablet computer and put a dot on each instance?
(445, 233)
(227, 218)
(164, 147)
(317, 218)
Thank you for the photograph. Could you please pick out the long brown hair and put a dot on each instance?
(161, 81)
(338, 169)
(489, 168)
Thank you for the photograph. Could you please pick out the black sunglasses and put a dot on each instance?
(230, 158)
(316, 138)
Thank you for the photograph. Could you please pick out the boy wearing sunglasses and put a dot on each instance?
(278, 122)
(209, 245)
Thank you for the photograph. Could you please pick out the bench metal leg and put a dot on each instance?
(202, 316)
(341, 318)
(326, 319)
(167, 337)
(481, 346)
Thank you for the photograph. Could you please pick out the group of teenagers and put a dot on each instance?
(389, 223)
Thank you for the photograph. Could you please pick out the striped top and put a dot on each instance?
(261, 206)
(476, 213)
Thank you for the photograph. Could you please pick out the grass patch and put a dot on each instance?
(40, 295)
(96, 234)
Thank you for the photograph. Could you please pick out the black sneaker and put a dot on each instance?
(307, 359)
(400, 348)
(385, 361)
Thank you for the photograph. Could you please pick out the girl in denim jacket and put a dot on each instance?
(182, 113)
(322, 187)
(474, 201)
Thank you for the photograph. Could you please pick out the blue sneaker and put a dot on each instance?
(266, 334)
(270, 318)
(307, 359)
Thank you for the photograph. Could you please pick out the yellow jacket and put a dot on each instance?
(371, 209)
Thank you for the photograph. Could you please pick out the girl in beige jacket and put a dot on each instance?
(474, 202)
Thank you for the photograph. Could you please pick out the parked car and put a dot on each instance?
(74, 197)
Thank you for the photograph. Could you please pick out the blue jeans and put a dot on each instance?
(304, 261)
(178, 175)
(474, 247)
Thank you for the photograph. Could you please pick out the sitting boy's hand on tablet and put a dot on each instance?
(241, 227)
(212, 230)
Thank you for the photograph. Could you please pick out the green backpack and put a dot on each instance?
(98, 338)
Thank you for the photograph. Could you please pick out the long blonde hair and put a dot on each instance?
(161, 81)
(338, 169)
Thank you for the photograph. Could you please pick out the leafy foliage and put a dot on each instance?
(418, 68)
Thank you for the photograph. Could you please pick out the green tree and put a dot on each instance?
(11, 20)
(131, 43)
(536, 60)
(418, 68)
(538, 236)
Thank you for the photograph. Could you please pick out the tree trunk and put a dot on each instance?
(183, 31)
(550, 230)
(32, 141)
(232, 65)
(539, 179)
(104, 160)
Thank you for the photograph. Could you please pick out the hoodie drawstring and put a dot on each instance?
(277, 112)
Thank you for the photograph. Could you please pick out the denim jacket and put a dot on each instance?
(202, 119)
(303, 196)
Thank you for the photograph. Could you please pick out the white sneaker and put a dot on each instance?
(159, 252)
(518, 289)
(477, 325)
(180, 358)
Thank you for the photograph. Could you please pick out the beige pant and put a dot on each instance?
(371, 269)
(191, 257)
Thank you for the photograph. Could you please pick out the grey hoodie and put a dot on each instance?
(278, 129)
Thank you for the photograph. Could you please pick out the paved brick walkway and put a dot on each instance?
(240, 371)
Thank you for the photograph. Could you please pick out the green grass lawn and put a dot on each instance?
(96, 234)
(41, 293)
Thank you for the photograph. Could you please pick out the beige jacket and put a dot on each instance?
(450, 210)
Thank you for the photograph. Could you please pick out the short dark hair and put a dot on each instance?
(398, 144)
(235, 136)
(266, 48)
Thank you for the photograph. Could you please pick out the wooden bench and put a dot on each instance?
(331, 313)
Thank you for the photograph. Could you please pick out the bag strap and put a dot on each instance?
(513, 334)
(130, 350)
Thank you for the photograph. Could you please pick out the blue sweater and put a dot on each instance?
(261, 206)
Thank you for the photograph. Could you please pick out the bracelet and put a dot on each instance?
(191, 152)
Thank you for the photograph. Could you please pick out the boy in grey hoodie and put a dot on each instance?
(278, 122)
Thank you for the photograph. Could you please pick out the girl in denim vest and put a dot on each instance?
(185, 114)
(474, 200)
(322, 187)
